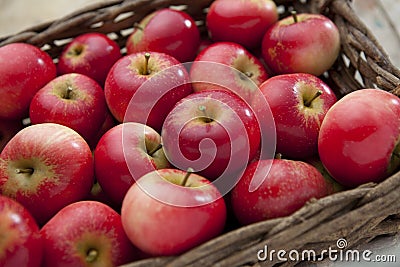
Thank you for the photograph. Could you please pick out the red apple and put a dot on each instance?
(8, 128)
(169, 211)
(86, 233)
(124, 154)
(243, 22)
(20, 242)
(73, 100)
(298, 103)
(24, 69)
(359, 137)
(310, 44)
(286, 185)
(45, 167)
(143, 87)
(92, 54)
(214, 132)
(229, 66)
(168, 31)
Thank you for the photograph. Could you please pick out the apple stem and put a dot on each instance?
(27, 170)
(146, 64)
(186, 178)
(294, 15)
(308, 102)
(92, 255)
(154, 150)
(68, 93)
(207, 119)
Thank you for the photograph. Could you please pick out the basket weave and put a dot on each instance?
(358, 215)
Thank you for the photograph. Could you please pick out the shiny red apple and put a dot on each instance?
(241, 21)
(24, 69)
(92, 54)
(169, 211)
(359, 137)
(20, 240)
(46, 167)
(308, 43)
(74, 100)
(168, 31)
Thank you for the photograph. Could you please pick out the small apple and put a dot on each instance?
(241, 21)
(86, 233)
(124, 154)
(24, 69)
(308, 43)
(168, 31)
(359, 137)
(298, 103)
(169, 211)
(45, 167)
(214, 132)
(73, 100)
(20, 241)
(286, 186)
(143, 87)
(92, 54)
(8, 128)
(228, 66)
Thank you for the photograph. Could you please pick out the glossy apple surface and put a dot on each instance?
(286, 186)
(20, 242)
(92, 54)
(230, 67)
(310, 45)
(73, 100)
(358, 141)
(86, 233)
(243, 22)
(122, 156)
(45, 167)
(169, 31)
(214, 132)
(298, 111)
(163, 217)
(143, 91)
(24, 69)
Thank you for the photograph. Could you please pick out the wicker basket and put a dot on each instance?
(358, 215)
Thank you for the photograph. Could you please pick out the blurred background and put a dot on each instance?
(380, 15)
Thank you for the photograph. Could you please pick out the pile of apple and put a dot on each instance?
(108, 157)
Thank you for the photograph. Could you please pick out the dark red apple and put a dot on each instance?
(86, 233)
(168, 31)
(143, 87)
(359, 137)
(92, 54)
(214, 132)
(20, 240)
(285, 186)
(241, 21)
(24, 69)
(298, 103)
(124, 154)
(73, 100)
